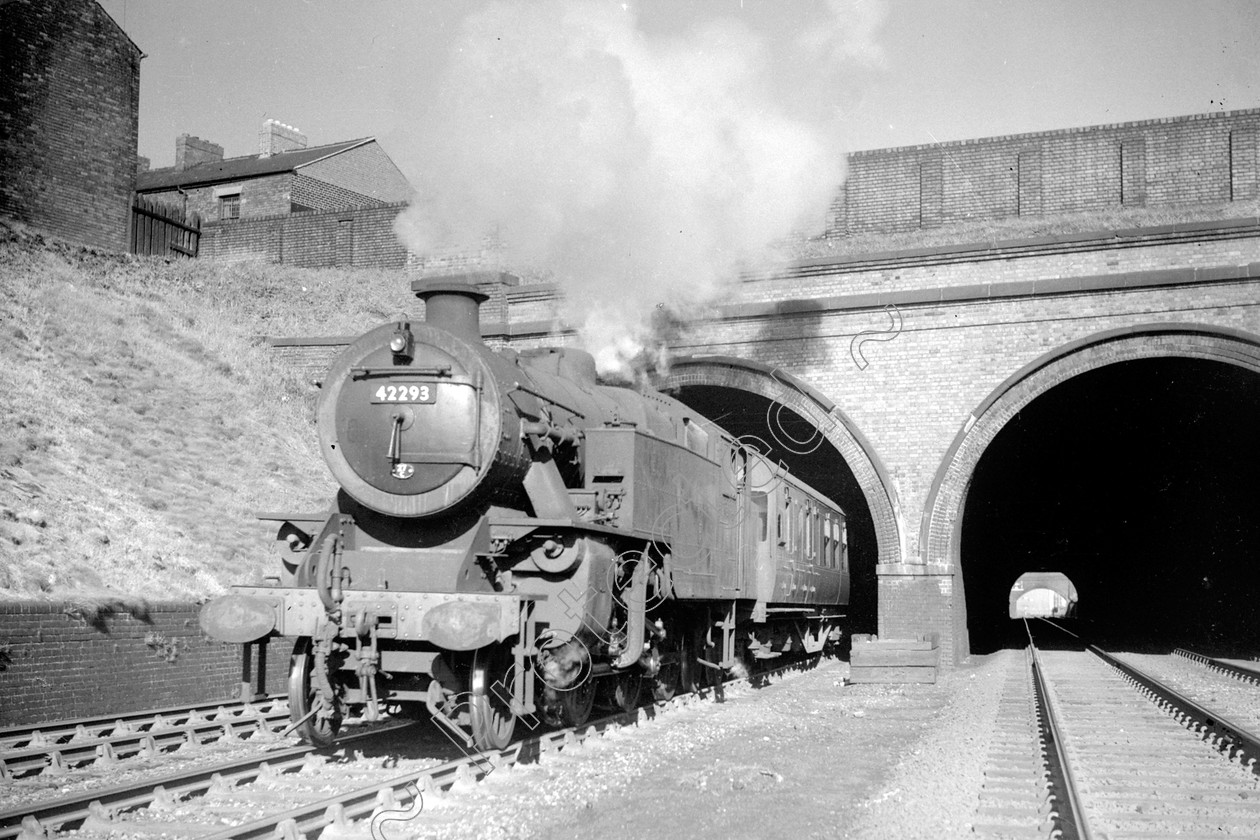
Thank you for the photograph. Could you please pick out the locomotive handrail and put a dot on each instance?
(516, 386)
(365, 372)
(798, 609)
(477, 386)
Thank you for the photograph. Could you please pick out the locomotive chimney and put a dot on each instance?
(453, 303)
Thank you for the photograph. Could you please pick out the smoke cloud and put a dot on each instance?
(640, 171)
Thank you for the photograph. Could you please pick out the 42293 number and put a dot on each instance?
(406, 392)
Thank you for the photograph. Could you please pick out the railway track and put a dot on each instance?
(15, 737)
(1016, 799)
(1248, 672)
(328, 795)
(59, 747)
(101, 809)
(1089, 745)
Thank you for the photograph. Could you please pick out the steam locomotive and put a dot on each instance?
(515, 541)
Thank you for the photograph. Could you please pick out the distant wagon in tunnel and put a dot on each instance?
(1043, 595)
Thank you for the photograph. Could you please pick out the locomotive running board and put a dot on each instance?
(414, 616)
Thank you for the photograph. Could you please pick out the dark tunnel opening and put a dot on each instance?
(742, 413)
(1138, 480)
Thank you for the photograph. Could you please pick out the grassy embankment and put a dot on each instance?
(143, 420)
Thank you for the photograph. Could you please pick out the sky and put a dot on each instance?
(946, 71)
(663, 145)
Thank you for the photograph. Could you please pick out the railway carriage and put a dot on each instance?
(515, 541)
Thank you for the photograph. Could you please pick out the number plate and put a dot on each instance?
(405, 392)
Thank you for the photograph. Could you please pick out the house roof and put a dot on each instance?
(239, 168)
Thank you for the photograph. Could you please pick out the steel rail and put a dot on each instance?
(362, 802)
(1230, 669)
(12, 737)
(119, 746)
(1204, 719)
(342, 808)
(97, 808)
(1073, 823)
(72, 810)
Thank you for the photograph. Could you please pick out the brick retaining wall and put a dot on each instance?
(56, 661)
(360, 237)
(1197, 159)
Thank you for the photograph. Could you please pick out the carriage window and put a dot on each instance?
(833, 544)
(739, 466)
(785, 524)
(815, 535)
(809, 533)
(803, 519)
(838, 538)
(807, 547)
(820, 550)
(761, 505)
(826, 541)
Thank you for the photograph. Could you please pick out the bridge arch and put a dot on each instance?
(940, 532)
(785, 391)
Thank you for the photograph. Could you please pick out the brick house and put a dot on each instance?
(285, 177)
(69, 120)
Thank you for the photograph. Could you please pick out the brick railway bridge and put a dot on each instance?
(1110, 373)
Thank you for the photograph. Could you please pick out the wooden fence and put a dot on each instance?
(160, 229)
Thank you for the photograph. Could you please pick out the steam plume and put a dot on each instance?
(642, 172)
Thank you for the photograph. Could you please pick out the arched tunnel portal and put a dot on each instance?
(1130, 464)
(1042, 593)
(791, 423)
